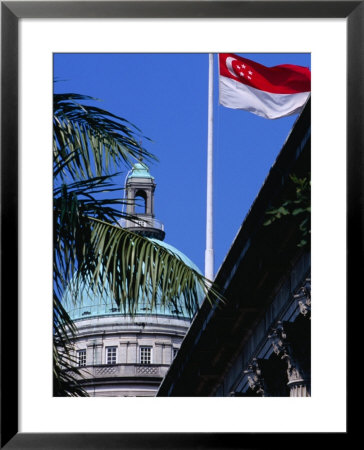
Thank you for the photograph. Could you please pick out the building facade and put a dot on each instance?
(119, 354)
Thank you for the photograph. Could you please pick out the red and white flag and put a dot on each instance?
(269, 92)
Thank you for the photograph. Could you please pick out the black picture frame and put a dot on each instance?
(11, 12)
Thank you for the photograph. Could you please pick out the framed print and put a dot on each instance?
(31, 34)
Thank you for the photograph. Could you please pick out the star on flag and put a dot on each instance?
(239, 70)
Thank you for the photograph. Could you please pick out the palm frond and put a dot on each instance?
(64, 362)
(73, 204)
(89, 145)
(89, 141)
(137, 269)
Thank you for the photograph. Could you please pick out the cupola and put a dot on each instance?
(140, 187)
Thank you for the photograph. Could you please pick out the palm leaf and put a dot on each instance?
(144, 270)
(89, 141)
(64, 363)
(89, 145)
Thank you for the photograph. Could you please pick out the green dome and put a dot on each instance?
(88, 304)
(140, 170)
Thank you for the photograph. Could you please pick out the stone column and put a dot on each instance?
(163, 352)
(167, 353)
(298, 382)
(99, 357)
(89, 355)
(123, 345)
(94, 352)
(131, 352)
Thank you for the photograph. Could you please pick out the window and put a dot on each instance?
(174, 352)
(140, 203)
(110, 355)
(145, 355)
(81, 358)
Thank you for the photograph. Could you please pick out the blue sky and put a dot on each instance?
(165, 95)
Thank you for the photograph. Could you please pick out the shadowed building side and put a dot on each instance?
(259, 342)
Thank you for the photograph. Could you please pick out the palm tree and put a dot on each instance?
(89, 145)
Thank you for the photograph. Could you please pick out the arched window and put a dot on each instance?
(140, 202)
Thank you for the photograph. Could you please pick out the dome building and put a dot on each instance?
(119, 354)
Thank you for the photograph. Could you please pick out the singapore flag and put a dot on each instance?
(269, 92)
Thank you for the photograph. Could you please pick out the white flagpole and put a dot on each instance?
(209, 252)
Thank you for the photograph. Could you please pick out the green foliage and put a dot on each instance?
(89, 141)
(64, 362)
(89, 145)
(298, 205)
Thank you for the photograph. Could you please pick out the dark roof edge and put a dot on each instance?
(260, 202)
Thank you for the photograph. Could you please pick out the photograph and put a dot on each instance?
(182, 207)
(156, 247)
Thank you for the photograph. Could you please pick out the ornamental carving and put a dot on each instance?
(146, 370)
(304, 298)
(255, 379)
(110, 370)
(278, 338)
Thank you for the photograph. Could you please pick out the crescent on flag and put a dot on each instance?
(229, 65)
